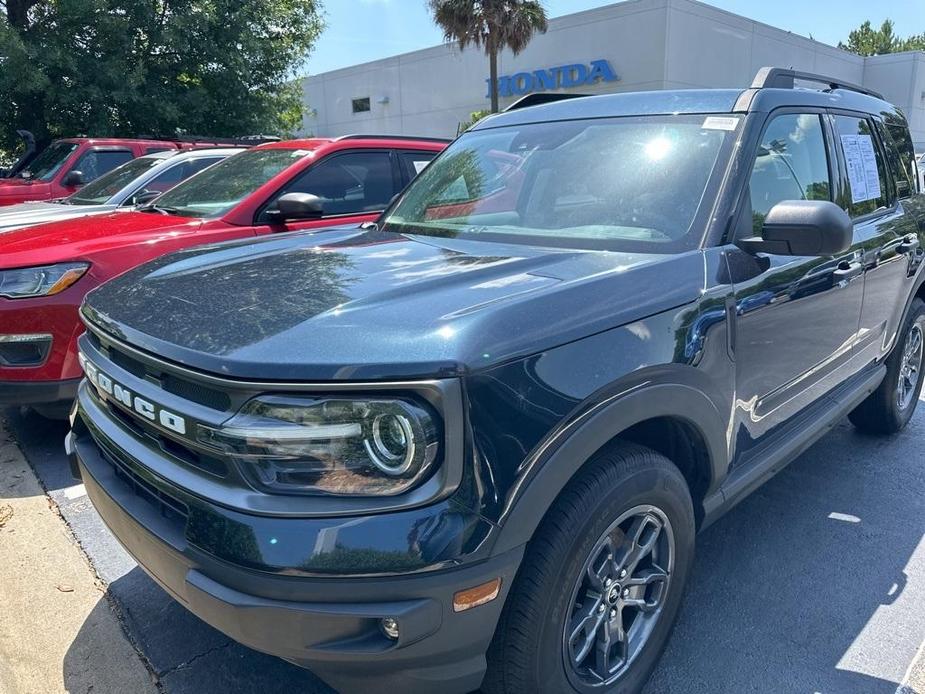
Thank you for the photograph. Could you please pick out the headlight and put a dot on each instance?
(344, 446)
(27, 282)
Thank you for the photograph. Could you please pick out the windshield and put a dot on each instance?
(99, 191)
(633, 184)
(49, 162)
(216, 190)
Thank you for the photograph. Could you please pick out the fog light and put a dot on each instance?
(389, 627)
(479, 595)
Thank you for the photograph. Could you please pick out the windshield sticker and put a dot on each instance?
(720, 123)
(862, 167)
(419, 166)
(300, 153)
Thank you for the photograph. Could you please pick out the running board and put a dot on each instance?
(785, 447)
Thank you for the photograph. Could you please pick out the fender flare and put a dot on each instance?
(549, 471)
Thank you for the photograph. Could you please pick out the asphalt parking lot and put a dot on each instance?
(816, 583)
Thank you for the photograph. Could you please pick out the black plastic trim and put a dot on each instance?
(38, 392)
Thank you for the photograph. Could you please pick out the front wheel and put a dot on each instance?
(889, 408)
(594, 602)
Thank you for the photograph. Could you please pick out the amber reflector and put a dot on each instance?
(479, 595)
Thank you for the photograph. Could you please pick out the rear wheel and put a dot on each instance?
(889, 408)
(594, 602)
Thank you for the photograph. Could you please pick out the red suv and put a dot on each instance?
(65, 165)
(46, 270)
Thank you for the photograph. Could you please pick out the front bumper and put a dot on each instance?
(330, 624)
(38, 392)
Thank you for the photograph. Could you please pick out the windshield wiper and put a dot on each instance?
(162, 209)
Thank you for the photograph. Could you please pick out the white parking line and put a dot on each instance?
(907, 686)
(75, 492)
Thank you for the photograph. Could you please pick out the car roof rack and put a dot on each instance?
(243, 141)
(783, 78)
(360, 136)
(540, 98)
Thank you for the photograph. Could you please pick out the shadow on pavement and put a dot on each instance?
(42, 440)
(796, 589)
(190, 656)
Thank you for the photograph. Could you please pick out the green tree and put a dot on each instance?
(164, 67)
(474, 118)
(865, 40)
(490, 24)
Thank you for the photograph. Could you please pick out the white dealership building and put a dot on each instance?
(627, 46)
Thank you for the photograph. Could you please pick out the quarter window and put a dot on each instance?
(791, 164)
(901, 156)
(867, 179)
(349, 183)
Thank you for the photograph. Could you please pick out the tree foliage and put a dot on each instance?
(865, 40)
(127, 67)
(492, 25)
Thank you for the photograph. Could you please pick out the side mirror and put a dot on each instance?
(296, 206)
(73, 179)
(145, 196)
(802, 227)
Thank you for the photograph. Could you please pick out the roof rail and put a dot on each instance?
(243, 141)
(360, 136)
(782, 78)
(541, 98)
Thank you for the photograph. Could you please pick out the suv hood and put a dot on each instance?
(84, 237)
(367, 305)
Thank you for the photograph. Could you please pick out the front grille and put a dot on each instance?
(170, 508)
(144, 431)
(195, 392)
(133, 366)
(181, 387)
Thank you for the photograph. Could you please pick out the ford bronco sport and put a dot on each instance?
(470, 445)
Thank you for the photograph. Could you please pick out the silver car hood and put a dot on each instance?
(31, 213)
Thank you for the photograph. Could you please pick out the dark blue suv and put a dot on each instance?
(471, 445)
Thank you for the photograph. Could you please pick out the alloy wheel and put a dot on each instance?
(618, 597)
(910, 367)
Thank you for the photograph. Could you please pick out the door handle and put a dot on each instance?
(847, 271)
(909, 244)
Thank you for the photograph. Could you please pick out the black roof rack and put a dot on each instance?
(541, 98)
(391, 137)
(783, 78)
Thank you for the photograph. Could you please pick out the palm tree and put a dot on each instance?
(490, 24)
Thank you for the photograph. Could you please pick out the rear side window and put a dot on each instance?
(349, 183)
(168, 179)
(867, 178)
(791, 164)
(173, 176)
(95, 163)
(414, 162)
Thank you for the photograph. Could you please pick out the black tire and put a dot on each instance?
(883, 412)
(531, 651)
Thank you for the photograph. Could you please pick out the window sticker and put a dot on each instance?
(419, 166)
(720, 123)
(862, 167)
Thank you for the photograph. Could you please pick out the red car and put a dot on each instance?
(46, 270)
(65, 165)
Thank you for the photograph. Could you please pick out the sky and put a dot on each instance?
(362, 30)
